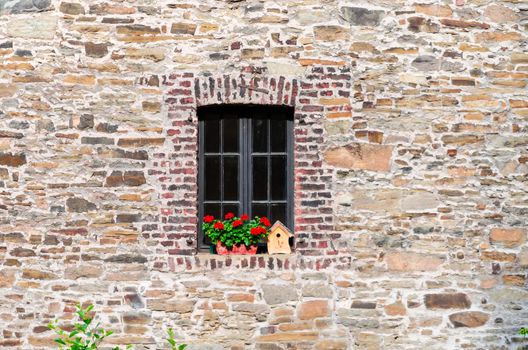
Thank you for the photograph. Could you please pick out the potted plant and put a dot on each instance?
(236, 235)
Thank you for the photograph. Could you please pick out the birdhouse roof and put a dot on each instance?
(279, 224)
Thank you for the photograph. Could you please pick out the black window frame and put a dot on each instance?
(246, 115)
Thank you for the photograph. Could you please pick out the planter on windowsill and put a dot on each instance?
(235, 250)
(235, 235)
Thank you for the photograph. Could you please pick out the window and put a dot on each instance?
(245, 162)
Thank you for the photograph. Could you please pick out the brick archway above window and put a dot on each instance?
(233, 89)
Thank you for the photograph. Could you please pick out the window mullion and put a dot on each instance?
(221, 166)
(243, 164)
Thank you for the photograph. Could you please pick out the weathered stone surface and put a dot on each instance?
(181, 306)
(23, 6)
(83, 271)
(309, 310)
(317, 290)
(71, 8)
(95, 50)
(447, 301)
(359, 16)
(183, 28)
(434, 10)
(419, 200)
(331, 33)
(403, 261)
(79, 205)
(500, 14)
(40, 26)
(507, 237)
(38, 275)
(12, 160)
(469, 319)
(361, 156)
(278, 292)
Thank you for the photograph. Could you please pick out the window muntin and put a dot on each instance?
(245, 162)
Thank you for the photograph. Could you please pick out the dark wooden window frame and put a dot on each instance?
(245, 157)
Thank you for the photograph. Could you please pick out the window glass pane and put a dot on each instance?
(212, 209)
(212, 135)
(260, 135)
(259, 209)
(231, 207)
(230, 178)
(278, 177)
(278, 212)
(230, 130)
(278, 135)
(212, 178)
(260, 178)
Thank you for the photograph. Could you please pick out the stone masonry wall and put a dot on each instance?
(411, 163)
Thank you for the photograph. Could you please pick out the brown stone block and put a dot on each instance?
(137, 29)
(289, 326)
(395, 309)
(7, 90)
(38, 275)
(434, 10)
(447, 301)
(514, 280)
(497, 256)
(518, 103)
(462, 140)
(153, 54)
(463, 24)
(406, 261)
(329, 344)
(95, 50)
(497, 36)
(80, 79)
(239, 297)
(252, 54)
(313, 309)
(507, 237)
(183, 28)
(519, 58)
(140, 142)
(500, 14)
(361, 156)
(331, 33)
(70, 8)
(7, 278)
(83, 271)
(334, 101)
(12, 160)
(151, 106)
(469, 319)
(106, 8)
(181, 306)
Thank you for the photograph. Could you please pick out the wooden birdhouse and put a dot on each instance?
(278, 239)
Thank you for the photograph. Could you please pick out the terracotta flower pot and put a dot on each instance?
(236, 250)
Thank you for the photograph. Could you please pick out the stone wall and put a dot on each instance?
(411, 200)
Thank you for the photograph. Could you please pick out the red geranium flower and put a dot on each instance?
(219, 225)
(264, 220)
(229, 216)
(208, 219)
(255, 231)
(237, 223)
(244, 217)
